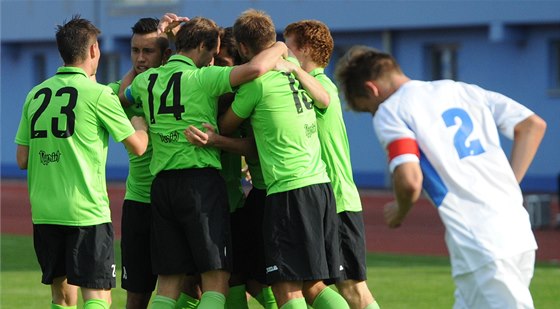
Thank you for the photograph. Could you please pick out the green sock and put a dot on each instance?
(186, 301)
(329, 299)
(373, 305)
(296, 303)
(266, 298)
(212, 300)
(96, 304)
(55, 306)
(163, 302)
(237, 297)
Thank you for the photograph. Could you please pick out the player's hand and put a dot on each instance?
(139, 123)
(392, 215)
(199, 138)
(169, 23)
(284, 65)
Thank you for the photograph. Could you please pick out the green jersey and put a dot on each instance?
(66, 122)
(257, 178)
(139, 179)
(174, 96)
(335, 150)
(285, 130)
(231, 172)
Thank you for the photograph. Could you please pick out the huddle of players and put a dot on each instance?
(286, 119)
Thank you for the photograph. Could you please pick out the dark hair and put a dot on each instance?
(149, 25)
(145, 25)
(228, 44)
(196, 31)
(358, 65)
(74, 38)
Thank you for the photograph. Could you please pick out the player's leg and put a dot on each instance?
(190, 294)
(503, 283)
(94, 273)
(171, 258)
(237, 295)
(49, 242)
(64, 294)
(352, 282)
(137, 277)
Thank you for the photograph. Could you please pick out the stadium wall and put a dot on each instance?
(512, 47)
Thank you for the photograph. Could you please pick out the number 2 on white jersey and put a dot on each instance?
(463, 132)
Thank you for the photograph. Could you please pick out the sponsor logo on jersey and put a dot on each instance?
(169, 138)
(310, 129)
(47, 158)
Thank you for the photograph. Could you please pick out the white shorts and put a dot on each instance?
(500, 284)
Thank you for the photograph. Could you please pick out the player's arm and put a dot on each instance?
(407, 187)
(259, 65)
(137, 142)
(527, 136)
(22, 156)
(229, 122)
(242, 146)
(125, 82)
(313, 87)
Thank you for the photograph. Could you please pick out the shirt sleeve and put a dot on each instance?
(215, 79)
(395, 136)
(23, 135)
(246, 98)
(111, 114)
(507, 112)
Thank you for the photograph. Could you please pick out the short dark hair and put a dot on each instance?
(196, 31)
(145, 25)
(74, 38)
(149, 25)
(228, 44)
(359, 64)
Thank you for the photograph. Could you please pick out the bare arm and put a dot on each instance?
(259, 65)
(313, 87)
(407, 187)
(22, 156)
(241, 146)
(526, 140)
(229, 122)
(137, 142)
(125, 82)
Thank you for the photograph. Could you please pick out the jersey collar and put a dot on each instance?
(317, 71)
(183, 59)
(71, 70)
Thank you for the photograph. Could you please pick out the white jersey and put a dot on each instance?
(451, 128)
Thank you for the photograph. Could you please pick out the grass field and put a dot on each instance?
(396, 281)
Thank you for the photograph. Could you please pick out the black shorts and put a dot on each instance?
(190, 222)
(352, 247)
(137, 275)
(301, 235)
(247, 238)
(67, 251)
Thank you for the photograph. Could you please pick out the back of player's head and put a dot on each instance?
(74, 38)
(196, 31)
(314, 35)
(360, 64)
(255, 29)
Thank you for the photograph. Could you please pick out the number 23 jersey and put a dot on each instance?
(66, 122)
(466, 173)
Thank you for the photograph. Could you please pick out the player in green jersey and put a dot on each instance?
(311, 43)
(62, 142)
(298, 257)
(188, 194)
(147, 50)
